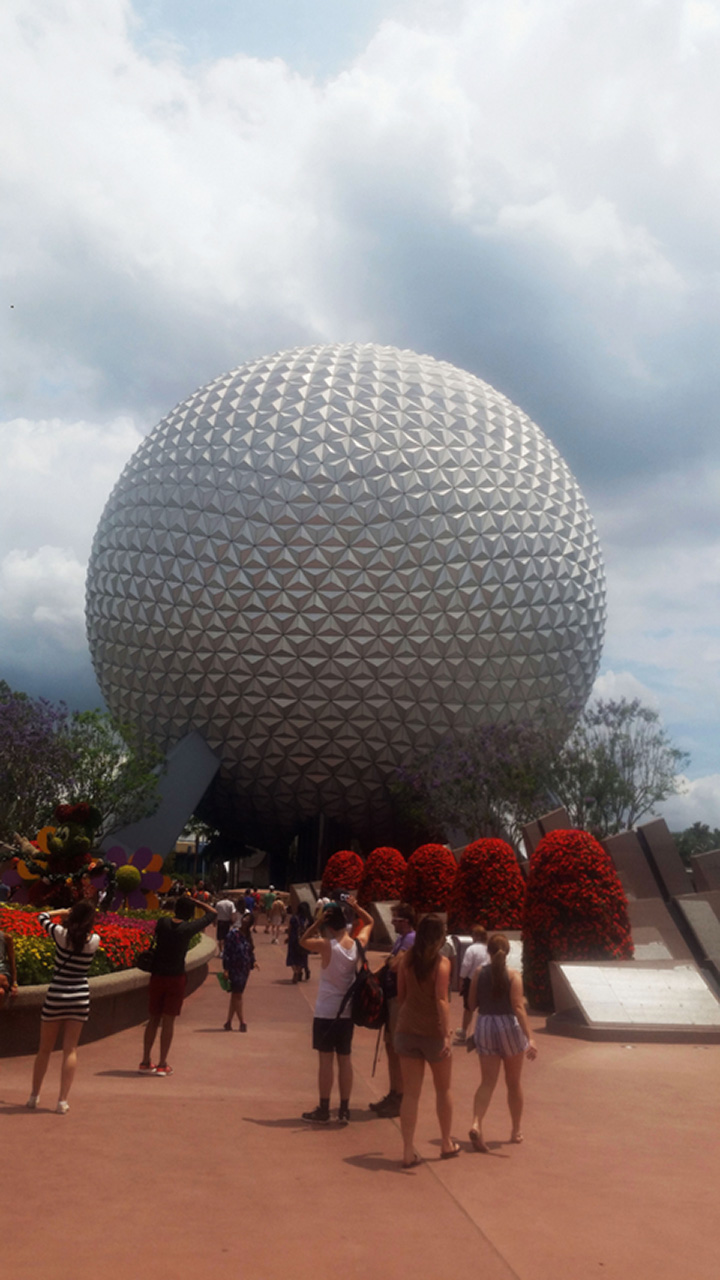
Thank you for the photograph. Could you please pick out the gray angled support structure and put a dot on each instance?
(190, 768)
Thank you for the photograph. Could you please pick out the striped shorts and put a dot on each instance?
(499, 1035)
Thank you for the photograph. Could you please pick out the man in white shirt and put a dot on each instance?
(226, 917)
(475, 957)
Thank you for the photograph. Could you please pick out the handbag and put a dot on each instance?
(144, 959)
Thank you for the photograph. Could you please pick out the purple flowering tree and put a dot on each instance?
(486, 783)
(35, 760)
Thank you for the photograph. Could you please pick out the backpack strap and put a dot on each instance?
(353, 984)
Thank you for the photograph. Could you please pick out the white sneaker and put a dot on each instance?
(32, 1102)
(62, 1108)
(460, 1036)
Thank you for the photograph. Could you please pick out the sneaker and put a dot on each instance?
(163, 1071)
(243, 1026)
(147, 1069)
(318, 1116)
(32, 1102)
(62, 1108)
(460, 1037)
(390, 1109)
(344, 1115)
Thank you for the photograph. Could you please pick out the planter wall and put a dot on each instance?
(117, 1001)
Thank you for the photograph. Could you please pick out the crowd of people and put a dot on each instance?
(415, 978)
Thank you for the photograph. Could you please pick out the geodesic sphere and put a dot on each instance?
(328, 559)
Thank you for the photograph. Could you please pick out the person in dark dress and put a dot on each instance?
(297, 957)
(238, 963)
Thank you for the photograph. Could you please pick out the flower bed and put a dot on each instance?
(384, 876)
(575, 909)
(488, 889)
(429, 878)
(343, 873)
(122, 938)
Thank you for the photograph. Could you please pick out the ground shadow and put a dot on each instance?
(294, 1122)
(209, 1031)
(128, 1074)
(373, 1161)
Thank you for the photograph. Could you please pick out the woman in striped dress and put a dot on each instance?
(502, 1036)
(67, 1002)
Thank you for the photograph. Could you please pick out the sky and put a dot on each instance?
(529, 189)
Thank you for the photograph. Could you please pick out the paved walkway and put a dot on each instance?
(211, 1171)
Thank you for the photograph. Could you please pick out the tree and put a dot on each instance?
(696, 839)
(616, 765)
(486, 783)
(113, 766)
(34, 760)
(50, 756)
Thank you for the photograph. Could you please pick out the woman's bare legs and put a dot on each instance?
(71, 1036)
(442, 1075)
(489, 1072)
(48, 1036)
(513, 1071)
(236, 1006)
(413, 1071)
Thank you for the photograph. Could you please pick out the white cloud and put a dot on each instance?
(45, 591)
(56, 478)
(529, 188)
(699, 802)
(611, 686)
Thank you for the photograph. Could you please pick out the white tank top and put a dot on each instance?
(335, 980)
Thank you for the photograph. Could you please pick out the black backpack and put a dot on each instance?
(366, 996)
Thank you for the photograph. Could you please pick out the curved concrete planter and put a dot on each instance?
(117, 1000)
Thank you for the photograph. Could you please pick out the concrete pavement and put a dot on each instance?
(211, 1170)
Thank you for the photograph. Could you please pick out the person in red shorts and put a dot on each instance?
(167, 979)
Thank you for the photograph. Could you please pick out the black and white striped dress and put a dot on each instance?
(68, 995)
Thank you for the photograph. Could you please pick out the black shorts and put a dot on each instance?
(222, 929)
(465, 992)
(333, 1035)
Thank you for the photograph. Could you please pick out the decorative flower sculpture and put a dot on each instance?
(343, 873)
(429, 878)
(575, 909)
(54, 869)
(140, 890)
(383, 876)
(489, 888)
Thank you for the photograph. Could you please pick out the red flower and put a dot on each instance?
(575, 909)
(383, 878)
(489, 888)
(429, 878)
(343, 873)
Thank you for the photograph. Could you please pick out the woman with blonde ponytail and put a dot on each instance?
(502, 1036)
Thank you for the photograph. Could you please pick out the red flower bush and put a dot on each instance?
(383, 877)
(488, 889)
(343, 873)
(575, 909)
(429, 878)
(121, 940)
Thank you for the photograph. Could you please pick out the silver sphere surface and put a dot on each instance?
(329, 558)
